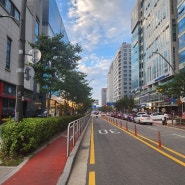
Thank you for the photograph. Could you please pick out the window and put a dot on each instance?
(36, 29)
(8, 5)
(11, 8)
(8, 53)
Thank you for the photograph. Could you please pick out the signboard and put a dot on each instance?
(110, 103)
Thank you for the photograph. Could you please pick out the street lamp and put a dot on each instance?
(155, 52)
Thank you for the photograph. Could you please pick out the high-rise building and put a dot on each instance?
(119, 77)
(52, 21)
(181, 32)
(104, 96)
(110, 84)
(154, 49)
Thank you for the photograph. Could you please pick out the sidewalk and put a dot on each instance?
(171, 124)
(48, 166)
(43, 168)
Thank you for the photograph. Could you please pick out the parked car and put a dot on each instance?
(159, 116)
(40, 113)
(125, 116)
(138, 113)
(6, 113)
(143, 119)
(119, 115)
(130, 117)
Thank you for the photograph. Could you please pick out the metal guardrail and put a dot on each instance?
(74, 130)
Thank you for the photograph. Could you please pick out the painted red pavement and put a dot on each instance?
(44, 168)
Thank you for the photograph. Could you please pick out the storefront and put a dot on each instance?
(8, 99)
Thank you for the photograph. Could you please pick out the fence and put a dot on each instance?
(74, 130)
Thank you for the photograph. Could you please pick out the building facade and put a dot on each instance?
(52, 22)
(9, 39)
(181, 32)
(154, 50)
(41, 17)
(104, 96)
(110, 84)
(119, 77)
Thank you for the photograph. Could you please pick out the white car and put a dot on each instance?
(138, 113)
(143, 119)
(159, 116)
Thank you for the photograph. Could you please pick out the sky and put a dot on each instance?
(99, 27)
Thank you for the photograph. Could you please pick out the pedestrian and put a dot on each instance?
(164, 120)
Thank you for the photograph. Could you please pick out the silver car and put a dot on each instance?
(143, 119)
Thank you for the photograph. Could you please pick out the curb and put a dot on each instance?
(63, 179)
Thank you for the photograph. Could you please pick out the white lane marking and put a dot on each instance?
(152, 128)
(178, 135)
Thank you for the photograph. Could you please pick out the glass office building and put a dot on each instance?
(181, 32)
(52, 20)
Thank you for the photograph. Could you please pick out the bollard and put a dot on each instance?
(159, 139)
(120, 124)
(126, 126)
(135, 129)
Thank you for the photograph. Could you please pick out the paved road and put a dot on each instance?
(120, 157)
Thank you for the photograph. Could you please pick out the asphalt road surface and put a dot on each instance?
(123, 153)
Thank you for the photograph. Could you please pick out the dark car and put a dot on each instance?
(40, 113)
(6, 113)
(130, 117)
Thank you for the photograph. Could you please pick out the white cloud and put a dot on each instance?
(95, 23)
(92, 21)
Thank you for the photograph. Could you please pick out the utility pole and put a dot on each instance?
(21, 64)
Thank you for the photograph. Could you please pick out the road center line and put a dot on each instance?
(155, 148)
(92, 178)
(92, 157)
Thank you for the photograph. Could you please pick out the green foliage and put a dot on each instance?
(56, 60)
(175, 87)
(125, 104)
(20, 139)
(106, 108)
(57, 72)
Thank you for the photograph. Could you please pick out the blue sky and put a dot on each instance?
(100, 27)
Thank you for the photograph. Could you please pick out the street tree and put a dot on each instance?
(174, 88)
(74, 87)
(125, 104)
(58, 58)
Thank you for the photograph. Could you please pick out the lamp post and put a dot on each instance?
(155, 52)
(20, 69)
